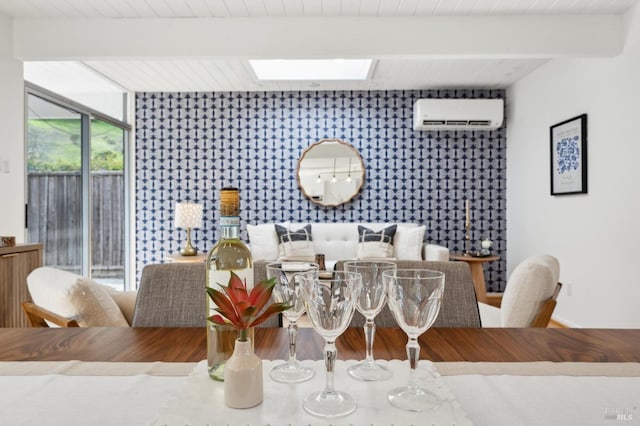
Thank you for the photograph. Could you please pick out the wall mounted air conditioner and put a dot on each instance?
(458, 114)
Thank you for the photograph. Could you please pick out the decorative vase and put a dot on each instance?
(243, 377)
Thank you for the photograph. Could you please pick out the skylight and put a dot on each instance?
(311, 69)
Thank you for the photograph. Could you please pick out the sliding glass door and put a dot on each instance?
(76, 188)
(107, 201)
(54, 182)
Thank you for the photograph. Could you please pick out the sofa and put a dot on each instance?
(341, 241)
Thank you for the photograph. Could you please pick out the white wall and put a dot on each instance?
(11, 137)
(596, 236)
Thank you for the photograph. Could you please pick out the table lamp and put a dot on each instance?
(188, 216)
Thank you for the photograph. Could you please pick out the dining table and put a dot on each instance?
(486, 376)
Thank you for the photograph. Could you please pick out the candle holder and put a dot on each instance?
(467, 228)
(467, 239)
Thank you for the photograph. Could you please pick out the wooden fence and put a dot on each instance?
(55, 219)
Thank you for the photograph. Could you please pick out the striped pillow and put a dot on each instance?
(296, 244)
(375, 245)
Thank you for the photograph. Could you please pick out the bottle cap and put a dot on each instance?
(229, 202)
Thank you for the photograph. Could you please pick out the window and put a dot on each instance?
(76, 184)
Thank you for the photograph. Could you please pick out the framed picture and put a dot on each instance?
(569, 156)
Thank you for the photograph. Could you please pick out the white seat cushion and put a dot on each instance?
(49, 288)
(489, 315)
(75, 297)
(531, 283)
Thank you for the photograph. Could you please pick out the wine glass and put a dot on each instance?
(330, 305)
(371, 301)
(288, 289)
(414, 296)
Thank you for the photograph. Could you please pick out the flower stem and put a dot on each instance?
(242, 335)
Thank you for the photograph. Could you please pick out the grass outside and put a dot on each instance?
(55, 145)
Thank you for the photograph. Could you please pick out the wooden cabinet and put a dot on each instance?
(15, 264)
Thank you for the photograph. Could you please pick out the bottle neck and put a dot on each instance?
(230, 227)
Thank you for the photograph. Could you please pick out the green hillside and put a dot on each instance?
(54, 145)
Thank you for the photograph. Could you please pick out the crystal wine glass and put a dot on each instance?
(330, 306)
(371, 301)
(414, 296)
(288, 289)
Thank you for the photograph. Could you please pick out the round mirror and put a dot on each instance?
(330, 172)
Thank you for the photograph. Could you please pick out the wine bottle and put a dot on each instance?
(229, 254)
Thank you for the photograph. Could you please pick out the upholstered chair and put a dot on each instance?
(62, 298)
(173, 295)
(459, 304)
(529, 297)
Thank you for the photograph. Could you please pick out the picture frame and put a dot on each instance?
(568, 155)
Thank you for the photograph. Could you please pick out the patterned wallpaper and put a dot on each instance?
(191, 144)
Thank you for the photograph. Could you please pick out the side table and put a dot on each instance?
(178, 258)
(477, 272)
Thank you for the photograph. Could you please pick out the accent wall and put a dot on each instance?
(191, 144)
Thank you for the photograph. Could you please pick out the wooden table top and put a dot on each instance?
(473, 259)
(438, 344)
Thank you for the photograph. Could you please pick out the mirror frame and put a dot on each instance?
(320, 142)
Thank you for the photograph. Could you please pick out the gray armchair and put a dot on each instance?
(459, 304)
(173, 295)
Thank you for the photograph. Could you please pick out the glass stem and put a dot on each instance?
(293, 337)
(413, 353)
(330, 355)
(369, 335)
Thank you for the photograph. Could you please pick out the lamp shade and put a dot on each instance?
(188, 215)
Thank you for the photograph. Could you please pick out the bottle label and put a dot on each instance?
(229, 221)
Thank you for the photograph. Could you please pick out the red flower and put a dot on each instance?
(241, 308)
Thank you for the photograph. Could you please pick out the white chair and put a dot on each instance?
(530, 296)
(61, 298)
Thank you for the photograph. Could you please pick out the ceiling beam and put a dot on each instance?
(339, 37)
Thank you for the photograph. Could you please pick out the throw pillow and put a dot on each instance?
(375, 245)
(264, 242)
(126, 301)
(407, 244)
(296, 244)
(95, 307)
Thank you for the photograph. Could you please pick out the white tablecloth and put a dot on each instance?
(201, 400)
(141, 393)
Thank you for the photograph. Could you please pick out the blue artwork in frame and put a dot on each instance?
(569, 156)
